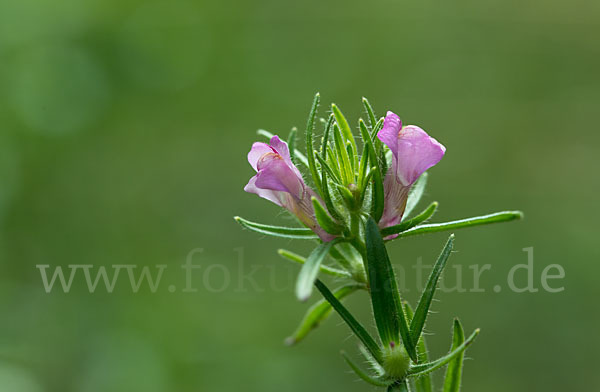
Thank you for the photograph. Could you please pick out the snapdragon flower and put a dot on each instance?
(413, 152)
(279, 180)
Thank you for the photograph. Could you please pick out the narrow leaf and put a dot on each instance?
(497, 217)
(323, 218)
(344, 127)
(454, 370)
(342, 155)
(419, 370)
(310, 270)
(354, 325)
(385, 297)
(370, 112)
(416, 193)
(310, 126)
(332, 174)
(299, 233)
(292, 143)
(317, 314)
(362, 374)
(323, 268)
(410, 223)
(328, 200)
(423, 383)
(378, 192)
(418, 321)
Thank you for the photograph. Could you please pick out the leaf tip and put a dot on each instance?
(290, 341)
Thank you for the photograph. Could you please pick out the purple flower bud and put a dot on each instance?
(278, 180)
(413, 151)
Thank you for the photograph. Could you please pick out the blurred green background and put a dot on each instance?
(124, 128)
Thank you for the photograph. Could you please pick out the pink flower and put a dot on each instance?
(278, 180)
(413, 151)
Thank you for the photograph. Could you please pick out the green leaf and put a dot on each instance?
(385, 297)
(407, 224)
(418, 321)
(344, 127)
(354, 325)
(328, 200)
(419, 370)
(423, 383)
(362, 169)
(292, 143)
(301, 158)
(310, 269)
(497, 217)
(323, 268)
(332, 174)
(363, 375)
(318, 313)
(415, 194)
(378, 191)
(324, 219)
(310, 126)
(298, 233)
(454, 370)
(342, 155)
(370, 112)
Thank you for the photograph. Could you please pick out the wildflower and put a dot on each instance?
(279, 180)
(413, 152)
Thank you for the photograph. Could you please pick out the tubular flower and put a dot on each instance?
(278, 180)
(413, 152)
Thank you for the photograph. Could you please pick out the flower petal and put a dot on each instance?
(275, 174)
(416, 153)
(389, 133)
(256, 152)
(268, 194)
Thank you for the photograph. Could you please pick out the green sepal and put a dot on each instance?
(378, 191)
(344, 127)
(323, 268)
(297, 233)
(310, 155)
(497, 217)
(354, 325)
(422, 369)
(400, 386)
(385, 296)
(410, 223)
(310, 269)
(318, 313)
(364, 375)
(418, 321)
(301, 158)
(415, 194)
(454, 370)
(324, 220)
(347, 197)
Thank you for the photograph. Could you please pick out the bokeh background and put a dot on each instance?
(124, 128)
